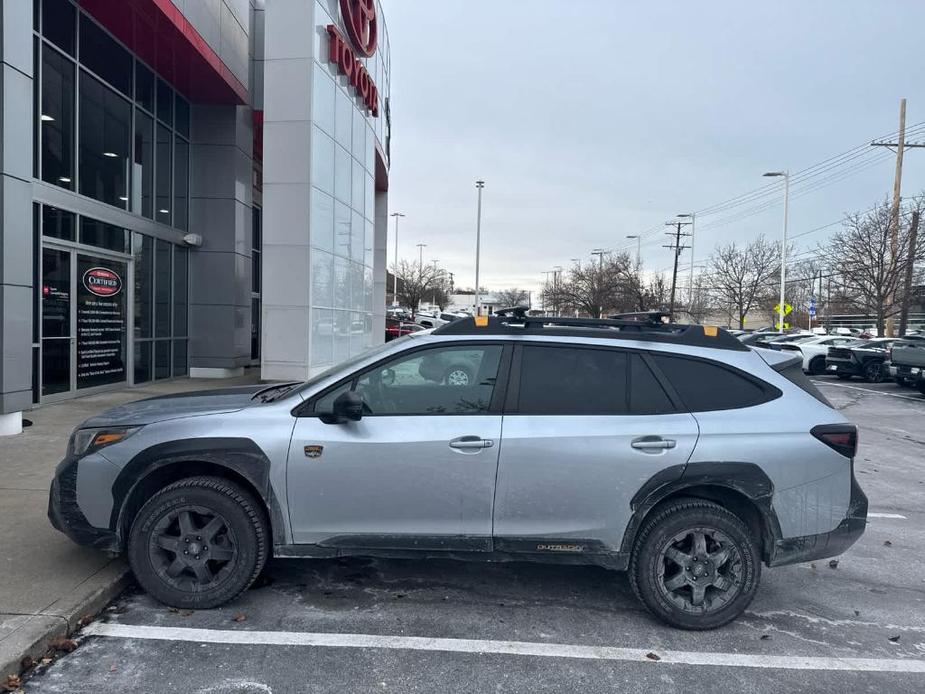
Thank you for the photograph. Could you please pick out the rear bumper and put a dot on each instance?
(65, 515)
(794, 550)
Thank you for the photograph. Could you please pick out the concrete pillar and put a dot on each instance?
(221, 191)
(15, 214)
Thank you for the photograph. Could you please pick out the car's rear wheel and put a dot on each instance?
(817, 365)
(873, 372)
(198, 543)
(695, 565)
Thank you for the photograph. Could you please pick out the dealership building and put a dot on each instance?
(188, 188)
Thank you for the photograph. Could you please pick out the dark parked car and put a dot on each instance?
(865, 359)
(907, 362)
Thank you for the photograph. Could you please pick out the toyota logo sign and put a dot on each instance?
(360, 19)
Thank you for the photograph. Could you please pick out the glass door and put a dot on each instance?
(84, 322)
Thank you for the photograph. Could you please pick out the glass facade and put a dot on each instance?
(131, 148)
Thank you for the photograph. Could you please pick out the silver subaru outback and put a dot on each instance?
(672, 452)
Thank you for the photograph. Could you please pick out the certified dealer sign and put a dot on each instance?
(102, 282)
(362, 28)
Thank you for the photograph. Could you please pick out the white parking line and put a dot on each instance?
(524, 648)
(886, 515)
(868, 390)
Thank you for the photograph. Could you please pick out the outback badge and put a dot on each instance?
(313, 451)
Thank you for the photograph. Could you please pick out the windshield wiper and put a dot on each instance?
(265, 393)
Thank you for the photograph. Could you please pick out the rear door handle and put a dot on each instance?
(468, 443)
(653, 443)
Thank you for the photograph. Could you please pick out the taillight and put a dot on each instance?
(841, 438)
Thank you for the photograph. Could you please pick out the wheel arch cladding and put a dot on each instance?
(742, 488)
(240, 460)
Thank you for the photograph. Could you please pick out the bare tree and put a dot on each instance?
(742, 276)
(593, 289)
(512, 297)
(701, 301)
(868, 272)
(417, 283)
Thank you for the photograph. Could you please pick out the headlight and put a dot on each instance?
(85, 441)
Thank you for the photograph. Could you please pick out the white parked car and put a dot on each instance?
(815, 349)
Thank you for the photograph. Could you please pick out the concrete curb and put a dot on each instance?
(35, 632)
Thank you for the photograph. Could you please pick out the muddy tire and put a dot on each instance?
(695, 565)
(198, 543)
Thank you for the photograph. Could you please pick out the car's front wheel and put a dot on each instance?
(695, 565)
(198, 543)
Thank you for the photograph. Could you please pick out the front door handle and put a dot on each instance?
(468, 443)
(653, 443)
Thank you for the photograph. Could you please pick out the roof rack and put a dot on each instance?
(514, 321)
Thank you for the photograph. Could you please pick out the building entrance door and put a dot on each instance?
(84, 321)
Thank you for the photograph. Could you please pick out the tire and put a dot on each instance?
(873, 372)
(198, 507)
(671, 529)
(457, 376)
(817, 365)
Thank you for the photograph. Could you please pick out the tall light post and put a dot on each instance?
(478, 241)
(783, 245)
(638, 245)
(690, 286)
(555, 285)
(599, 252)
(395, 274)
(421, 247)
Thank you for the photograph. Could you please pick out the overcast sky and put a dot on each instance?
(594, 119)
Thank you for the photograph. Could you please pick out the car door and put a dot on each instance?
(418, 470)
(584, 429)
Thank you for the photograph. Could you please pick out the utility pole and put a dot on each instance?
(677, 247)
(910, 262)
(690, 280)
(899, 147)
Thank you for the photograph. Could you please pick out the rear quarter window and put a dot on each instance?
(704, 385)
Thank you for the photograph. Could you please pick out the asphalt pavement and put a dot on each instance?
(443, 626)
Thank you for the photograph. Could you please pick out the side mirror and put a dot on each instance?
(348, 406)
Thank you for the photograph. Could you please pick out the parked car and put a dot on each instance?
(673, 452)
(813, 351)
(907, 361)
(865, 358)
(398, 328)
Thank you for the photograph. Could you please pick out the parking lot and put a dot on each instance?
(443, 626)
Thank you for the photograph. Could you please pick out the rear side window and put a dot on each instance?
(646, 394)
(568, 381)
(704, 385)
(793, 372)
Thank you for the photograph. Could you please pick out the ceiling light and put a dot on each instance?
(64, 179)
(45, 117)
(123, 198)
(110, 154)
(164, 211)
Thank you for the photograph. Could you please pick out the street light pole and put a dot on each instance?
(421, 247)
(395, 274)
(638, 238)
(478, 241)
(783, 247)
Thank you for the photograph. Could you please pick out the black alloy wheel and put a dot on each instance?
(874, 372)
(198, 542)
(817, 365)
(695, 565)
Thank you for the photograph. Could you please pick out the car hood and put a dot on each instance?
(165, 407)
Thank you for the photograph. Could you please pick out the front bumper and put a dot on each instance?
(65, 515)
(794, 550)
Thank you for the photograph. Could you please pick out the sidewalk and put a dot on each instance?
(47, 583)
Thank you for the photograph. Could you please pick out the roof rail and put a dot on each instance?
(514, 321)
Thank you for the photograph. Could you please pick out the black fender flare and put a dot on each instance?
(238, 454)
(746, 479)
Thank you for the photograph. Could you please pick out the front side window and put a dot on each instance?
(570, 381)
(438, 381)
